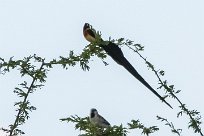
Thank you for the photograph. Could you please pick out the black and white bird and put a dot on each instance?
(97, 119)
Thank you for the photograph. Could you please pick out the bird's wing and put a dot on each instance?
(89, 32)
(103, 120)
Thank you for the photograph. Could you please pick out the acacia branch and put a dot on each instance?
(194, 122)
(22, 108)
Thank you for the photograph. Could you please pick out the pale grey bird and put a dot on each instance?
(97, 119)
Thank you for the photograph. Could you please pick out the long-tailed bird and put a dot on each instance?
(97, 119)
(116, 53)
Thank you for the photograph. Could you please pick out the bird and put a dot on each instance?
(97, 119)
(117, 55)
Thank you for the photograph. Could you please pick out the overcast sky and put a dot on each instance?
(171, 31)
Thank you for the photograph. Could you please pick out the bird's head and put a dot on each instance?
(86, 26)
(93, 113)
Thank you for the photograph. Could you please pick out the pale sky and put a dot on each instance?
(171, 31)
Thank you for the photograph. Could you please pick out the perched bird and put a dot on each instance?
(97, 119)
(116, 53)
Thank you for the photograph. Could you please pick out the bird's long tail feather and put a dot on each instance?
(125, 63)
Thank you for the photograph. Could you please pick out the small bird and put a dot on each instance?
(97, 119)
(116, 53)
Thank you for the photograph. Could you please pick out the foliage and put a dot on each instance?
(171, 125)
(136, 124)
(36, 68)
(84, 125)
